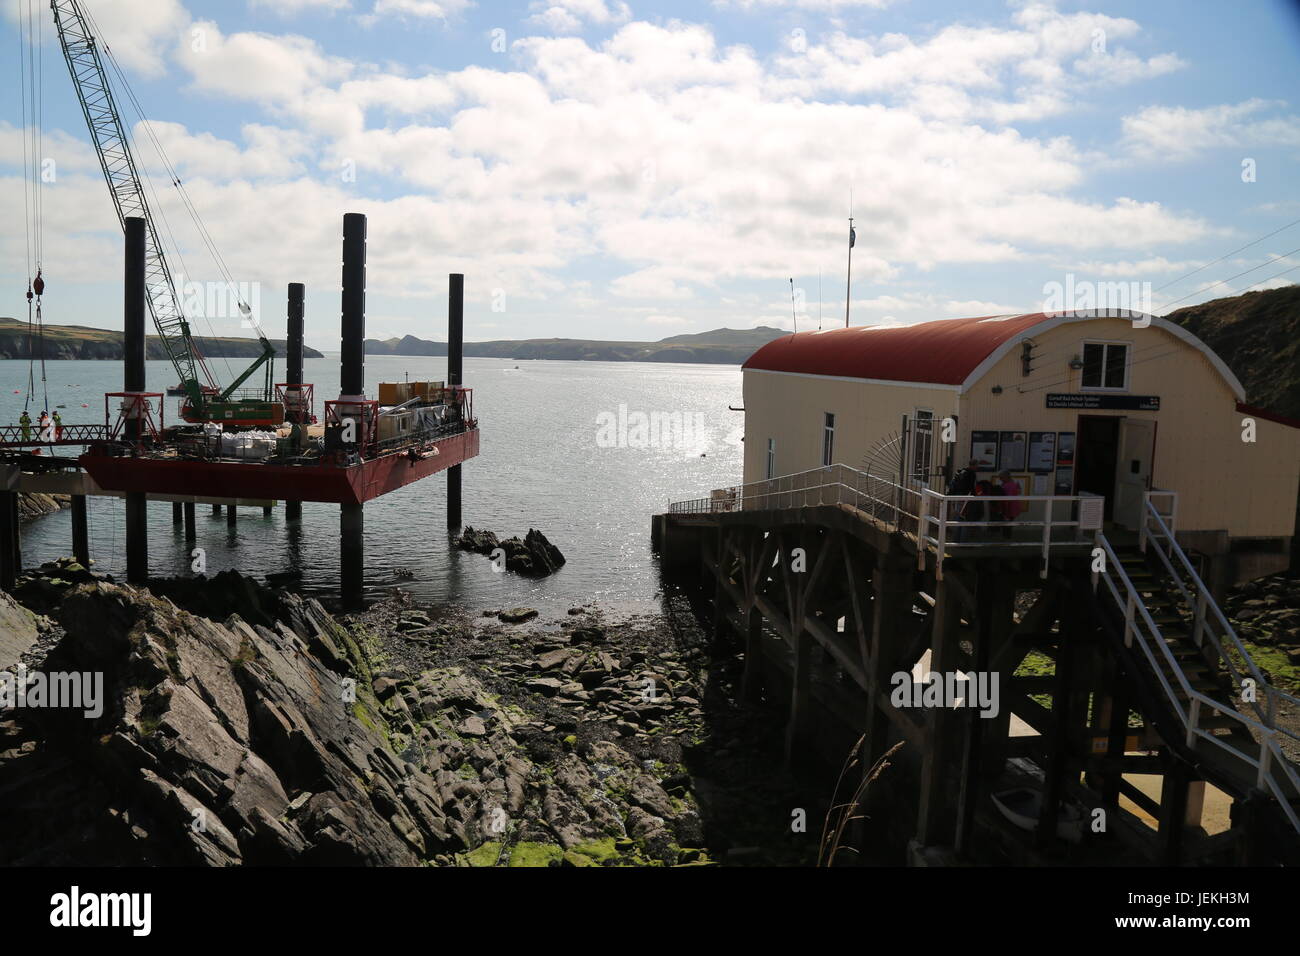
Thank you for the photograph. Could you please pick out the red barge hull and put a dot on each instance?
(353, 484)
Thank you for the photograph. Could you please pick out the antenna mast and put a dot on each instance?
(848, 290)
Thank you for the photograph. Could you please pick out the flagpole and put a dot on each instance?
(848, 291)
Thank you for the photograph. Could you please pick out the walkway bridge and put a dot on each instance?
(1124, 690)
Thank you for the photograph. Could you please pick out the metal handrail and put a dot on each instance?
(1136, 614)
(1204, 603)
(841, 484)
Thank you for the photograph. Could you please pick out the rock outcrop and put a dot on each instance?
(532, 555)
(34, 505)
(219, 743)
(281, 735)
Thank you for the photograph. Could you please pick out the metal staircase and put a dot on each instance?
(1227, 710)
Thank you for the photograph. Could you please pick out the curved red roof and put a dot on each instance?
(944, 352)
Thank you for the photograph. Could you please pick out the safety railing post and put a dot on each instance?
(1193, 721)
(922, 518)
(1130, 610)
(941, 549)
(1198, 634)
(1096, 546)
(1265, 759)
(1047, 540)
(1145, 522)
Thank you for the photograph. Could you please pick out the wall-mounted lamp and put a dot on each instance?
(1076, 363)
(997, 389)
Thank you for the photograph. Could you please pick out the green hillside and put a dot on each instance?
(81, 342)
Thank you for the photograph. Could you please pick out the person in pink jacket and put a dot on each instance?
(1010, 488)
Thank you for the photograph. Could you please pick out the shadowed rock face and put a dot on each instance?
(532, 555)
(18, 630)
(219, 744)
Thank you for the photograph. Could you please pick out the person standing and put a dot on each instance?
(25, 422)
(1010, 509)
(58, 426)
(43, 426)
(963, 483)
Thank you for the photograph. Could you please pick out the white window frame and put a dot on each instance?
(771, 458)
(828, 439)
(916, 434)
(1128, 365)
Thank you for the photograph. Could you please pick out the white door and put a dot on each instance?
(1137, 437)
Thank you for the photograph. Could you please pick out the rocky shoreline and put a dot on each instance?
(36, 505)
(405, 735)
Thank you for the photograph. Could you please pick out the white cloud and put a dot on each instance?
(569, 16)
(1028, 70)
(1176, 132)
(137, 32)
(419, 9)
(257, 66)
(688, 167)
(289, 8)
(823, 5)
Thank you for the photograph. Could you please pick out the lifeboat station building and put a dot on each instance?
(1071, 404)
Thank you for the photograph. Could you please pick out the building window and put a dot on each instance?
(771, 458)
(922, 444)
(1105, 365)
(828, 439)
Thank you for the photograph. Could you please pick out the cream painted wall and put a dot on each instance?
(1223, 483)
(790, 408)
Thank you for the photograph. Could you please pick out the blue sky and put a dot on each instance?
(633, 170)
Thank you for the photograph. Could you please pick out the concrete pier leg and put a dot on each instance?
(455, 376)
(18, 532)
(752, 685)
(80, 531)
(137, 538)
(191, 532)
(231, 516)
(293, 360)
(453, 498)
(133, 341)
(266, 511)
(352, 526)
(796, 729)
(8, 531)
(178, 513)
(216, 511)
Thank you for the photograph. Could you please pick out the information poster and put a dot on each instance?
(984, 450)
(1064, 480)
(1065, 449)
(1011, 451)
(1042, 485)
(1042, 452)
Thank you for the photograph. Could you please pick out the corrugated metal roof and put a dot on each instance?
(944, 352)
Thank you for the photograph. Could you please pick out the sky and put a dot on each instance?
(632, 170)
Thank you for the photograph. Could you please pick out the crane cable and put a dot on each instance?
(31, 70)
(186, 200)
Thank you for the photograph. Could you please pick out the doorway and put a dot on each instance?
(1097, 455)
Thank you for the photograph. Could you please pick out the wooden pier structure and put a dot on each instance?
(847, 591)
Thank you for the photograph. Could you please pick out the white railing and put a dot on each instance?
(880, 498)
(926, 516)
(1270, 763)
(943, 528)
(1210, 623)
